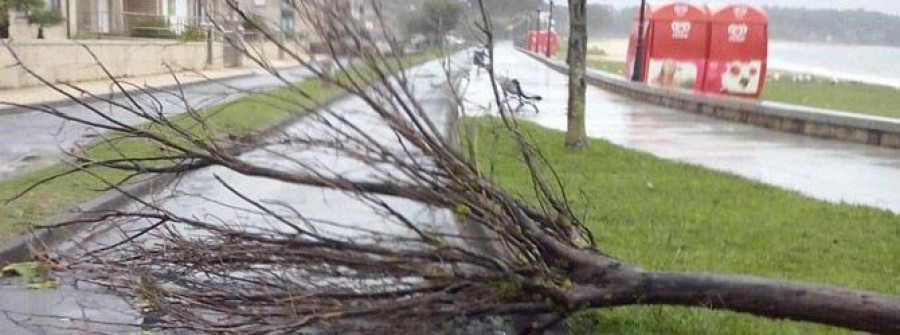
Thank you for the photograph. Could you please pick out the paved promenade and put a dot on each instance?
(830, 170)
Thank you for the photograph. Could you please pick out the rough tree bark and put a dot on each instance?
(600, 281)
(576, 135)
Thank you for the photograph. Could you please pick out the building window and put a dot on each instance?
(287, 16)
(53, 4)
(200, 12)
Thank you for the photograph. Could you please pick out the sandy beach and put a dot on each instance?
(615, 49)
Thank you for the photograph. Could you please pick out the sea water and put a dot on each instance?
(878, 65)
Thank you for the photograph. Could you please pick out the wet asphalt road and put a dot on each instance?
(200, 195)
(829, 170)
(31, 139)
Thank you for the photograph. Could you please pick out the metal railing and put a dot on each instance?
(139, 25)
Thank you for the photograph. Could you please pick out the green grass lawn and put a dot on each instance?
(844, 96)
(606, 65)
(237, 118)
(669, 216)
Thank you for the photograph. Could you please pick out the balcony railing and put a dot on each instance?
(101, 24)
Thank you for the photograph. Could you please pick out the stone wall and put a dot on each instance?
(822, 123)
(68, 61)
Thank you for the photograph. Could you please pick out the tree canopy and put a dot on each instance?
(501, 8)
(829, 25)
(44, 17)
(23, 5)
(434, 18)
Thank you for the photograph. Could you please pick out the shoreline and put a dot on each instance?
(616, 51)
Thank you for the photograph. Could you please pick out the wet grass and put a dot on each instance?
(668, 216)
(614, 67)
(844, 96)
(238, 118)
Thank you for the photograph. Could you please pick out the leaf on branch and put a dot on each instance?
(463, 210)
(35, 274)
(29, 270)
(45, 285)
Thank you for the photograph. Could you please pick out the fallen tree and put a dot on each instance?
(394, 271)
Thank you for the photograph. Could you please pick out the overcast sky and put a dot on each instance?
(887, 6)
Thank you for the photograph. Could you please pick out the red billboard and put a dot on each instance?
(537, 42)
(676, 45)
(738, 51)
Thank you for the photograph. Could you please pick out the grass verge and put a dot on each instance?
(606, 65)
(668, 216)
(845, 96)
(238, 118)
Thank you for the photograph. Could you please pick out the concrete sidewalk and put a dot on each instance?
(47, 96)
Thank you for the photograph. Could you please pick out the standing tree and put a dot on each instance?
(509, 18)
(20, 5)
(282, 268)
(576, 134)
(43, 18)
(434, 19)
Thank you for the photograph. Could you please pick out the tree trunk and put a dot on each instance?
(774, 299)
(601, 282)
(576, 135)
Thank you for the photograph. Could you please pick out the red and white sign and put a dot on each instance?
(676, 44)
(537, 42)
(721, 50)
(737, 33)
(681, 30)
(738, 51)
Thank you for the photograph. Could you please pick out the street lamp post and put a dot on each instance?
(636, 73)
(549, 29)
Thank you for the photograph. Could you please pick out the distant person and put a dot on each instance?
(479, 58)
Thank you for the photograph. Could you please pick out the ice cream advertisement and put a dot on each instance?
(674, 74)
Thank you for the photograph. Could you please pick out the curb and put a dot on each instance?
(21, 247)
(801, 120)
